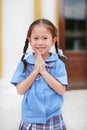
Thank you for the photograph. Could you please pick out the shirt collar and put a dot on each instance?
(49, 61)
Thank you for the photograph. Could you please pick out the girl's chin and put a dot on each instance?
(39, 52)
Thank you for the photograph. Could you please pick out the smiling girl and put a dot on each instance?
(41, 77)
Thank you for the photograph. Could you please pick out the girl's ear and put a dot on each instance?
(54, 40)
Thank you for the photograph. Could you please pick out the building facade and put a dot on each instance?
(73, 40)
(69, 16)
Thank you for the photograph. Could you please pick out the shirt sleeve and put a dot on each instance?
(18, 75)
(61, 74)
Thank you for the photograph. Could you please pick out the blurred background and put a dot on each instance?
(69, 16)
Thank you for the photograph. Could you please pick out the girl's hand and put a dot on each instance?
(40, 64)
(37, 64)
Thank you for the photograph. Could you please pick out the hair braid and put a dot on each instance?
(24, 52)
(56, 48)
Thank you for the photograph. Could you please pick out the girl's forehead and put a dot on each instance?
(41, 27)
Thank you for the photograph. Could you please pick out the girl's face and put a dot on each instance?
(41, 40)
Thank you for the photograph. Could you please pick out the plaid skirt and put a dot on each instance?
(54, 123)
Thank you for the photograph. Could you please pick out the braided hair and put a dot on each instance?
(53, 31)
(24, 52)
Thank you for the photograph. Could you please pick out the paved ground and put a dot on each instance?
(74, 109)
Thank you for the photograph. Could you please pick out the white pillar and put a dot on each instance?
(48, 9)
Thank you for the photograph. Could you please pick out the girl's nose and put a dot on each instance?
(40, 41)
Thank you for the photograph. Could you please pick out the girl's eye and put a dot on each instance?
(45, 38)
(35, 38)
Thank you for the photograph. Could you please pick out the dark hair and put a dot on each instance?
(53, 31)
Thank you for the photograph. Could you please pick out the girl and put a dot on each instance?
(41, 77)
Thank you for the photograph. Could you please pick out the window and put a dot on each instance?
(75, 24)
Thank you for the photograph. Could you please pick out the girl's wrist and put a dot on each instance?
(43, 73)
(34, 72)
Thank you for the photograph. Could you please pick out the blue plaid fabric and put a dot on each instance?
(54, 123)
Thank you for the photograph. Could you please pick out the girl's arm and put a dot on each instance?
(53, 83)
(26, 84)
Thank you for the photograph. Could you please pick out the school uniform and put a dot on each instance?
(41, 105)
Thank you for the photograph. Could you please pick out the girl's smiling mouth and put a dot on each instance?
(40, 48)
